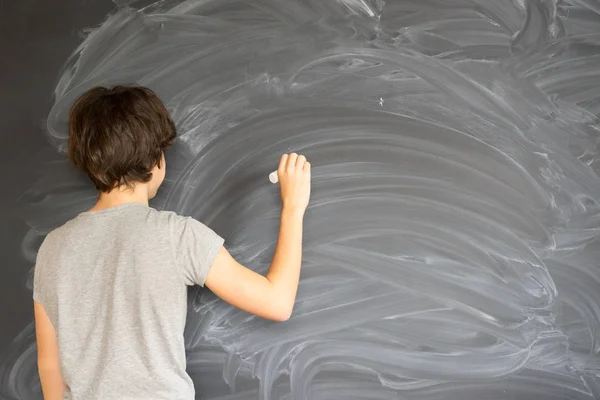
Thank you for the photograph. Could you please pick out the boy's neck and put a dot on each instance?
(122, 195)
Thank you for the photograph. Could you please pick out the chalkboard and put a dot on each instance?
(451, 243)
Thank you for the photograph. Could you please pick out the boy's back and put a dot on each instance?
(113, 283)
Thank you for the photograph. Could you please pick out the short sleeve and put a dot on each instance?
(38, 288)
(196, 247)
(43, 276)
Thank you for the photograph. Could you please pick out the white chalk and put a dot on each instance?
(273, 177)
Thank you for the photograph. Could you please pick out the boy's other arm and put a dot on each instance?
(271, 296)
(51, 379)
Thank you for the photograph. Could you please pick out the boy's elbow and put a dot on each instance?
(282, 316)
(281, 304)
(281, 313)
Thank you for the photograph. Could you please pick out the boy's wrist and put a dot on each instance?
(295, 212)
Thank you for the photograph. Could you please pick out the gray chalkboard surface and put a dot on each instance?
(451, 247)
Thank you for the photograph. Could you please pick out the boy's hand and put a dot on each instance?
(294, 182)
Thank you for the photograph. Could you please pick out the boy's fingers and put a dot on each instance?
(306, 167)
(300, 161)
(283, 162)
(291, 161)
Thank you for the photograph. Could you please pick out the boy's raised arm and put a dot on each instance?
(271, 297)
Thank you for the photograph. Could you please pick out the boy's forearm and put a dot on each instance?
(284, 272)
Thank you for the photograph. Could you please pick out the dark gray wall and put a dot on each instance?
(451, 247)
(36, 38)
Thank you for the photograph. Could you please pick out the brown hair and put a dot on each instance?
(117, 135)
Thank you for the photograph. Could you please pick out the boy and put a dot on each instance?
(110, 295)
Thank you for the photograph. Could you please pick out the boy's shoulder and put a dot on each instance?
(57, 235)
(170, 221)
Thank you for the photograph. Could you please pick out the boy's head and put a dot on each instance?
(117, 137)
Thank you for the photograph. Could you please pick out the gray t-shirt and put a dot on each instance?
(113, 283)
